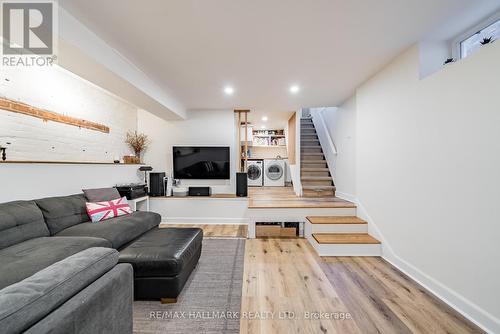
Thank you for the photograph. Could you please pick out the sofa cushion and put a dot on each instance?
(22, 260)
(20, 221)
(118, 231)
(101, 194)
(26, 302)
(163, 252)
(63, 212)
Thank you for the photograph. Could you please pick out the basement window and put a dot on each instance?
(472, 43)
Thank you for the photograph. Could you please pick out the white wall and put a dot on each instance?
(341, 124)
(31, 181)
(201, 128)
(58, 90)
(427, 175)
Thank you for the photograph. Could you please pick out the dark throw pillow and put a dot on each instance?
(101, 194)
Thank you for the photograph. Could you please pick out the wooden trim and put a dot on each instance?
(26, 109)
(245, 169)
(239, 140)
(292, 138)
(65, 162)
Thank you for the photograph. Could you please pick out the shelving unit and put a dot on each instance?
(265, 138)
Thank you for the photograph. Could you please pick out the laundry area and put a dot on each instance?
(264, 147)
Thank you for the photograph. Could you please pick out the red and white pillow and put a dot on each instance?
(99, 211)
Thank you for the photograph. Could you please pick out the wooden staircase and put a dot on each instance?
(315, 176)
(341, 236)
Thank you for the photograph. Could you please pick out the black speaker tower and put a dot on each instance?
(156, 184)
(241, 184)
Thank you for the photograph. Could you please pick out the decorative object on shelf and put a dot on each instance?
(26, 109)
(4, 155)
(138, 142)
(487, 40)
(130, 159)
(449, 61)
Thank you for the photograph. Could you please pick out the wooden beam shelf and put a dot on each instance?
(65, 162)
(26, 109)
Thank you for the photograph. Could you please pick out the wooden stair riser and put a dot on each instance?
(311, 149)
(312, 157)
(316, 183)
(314, 193)
(306, 164)
(315, 173)
(308, 132)
(306, 127)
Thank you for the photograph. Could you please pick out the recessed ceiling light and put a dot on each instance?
(262, 127)
(294, 89)
(228, 90)
(264, 118)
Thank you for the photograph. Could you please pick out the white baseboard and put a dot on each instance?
(204, 220)
(346, 196)
(462, 305)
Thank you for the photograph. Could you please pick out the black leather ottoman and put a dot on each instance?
(163, 259)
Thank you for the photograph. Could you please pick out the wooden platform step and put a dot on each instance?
(335, 220)
(306, 147)
(344, 238)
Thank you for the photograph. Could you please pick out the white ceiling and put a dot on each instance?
(193, 48)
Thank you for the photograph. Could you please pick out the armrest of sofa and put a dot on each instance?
(24, 303)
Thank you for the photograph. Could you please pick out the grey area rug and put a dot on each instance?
(209, 298)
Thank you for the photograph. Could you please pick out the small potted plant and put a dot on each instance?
(487, 40)
(138, 142)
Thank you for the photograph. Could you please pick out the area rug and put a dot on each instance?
(210, 300)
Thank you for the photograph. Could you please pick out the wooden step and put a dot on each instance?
(317, 183)
(320, 169)
(315, 165)
(316, 178)
(311, 161)
(318, 194)
(312, 153)
(312, 150)
(322, 174)
(309, 147)
(335, 220)
(335, 224)
(318, 190)
(344, 238)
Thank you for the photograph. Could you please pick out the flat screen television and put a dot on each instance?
(201, 162)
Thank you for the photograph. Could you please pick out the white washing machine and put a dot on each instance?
(255, 173)
(274, 173)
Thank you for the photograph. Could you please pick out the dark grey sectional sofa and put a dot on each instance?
(60, 273)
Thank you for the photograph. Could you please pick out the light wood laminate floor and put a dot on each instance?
(286, 275)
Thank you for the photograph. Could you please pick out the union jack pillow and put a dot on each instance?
(100, 211)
